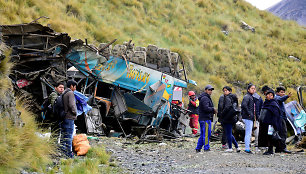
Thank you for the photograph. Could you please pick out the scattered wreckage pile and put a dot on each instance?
(131, 89)
(36, 55)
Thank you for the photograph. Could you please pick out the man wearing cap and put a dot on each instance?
(194, 115)
(206, 113)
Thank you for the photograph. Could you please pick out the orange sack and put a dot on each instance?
(80, 144)
(78, 138)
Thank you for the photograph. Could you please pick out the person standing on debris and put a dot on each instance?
(55, 122)
(71, 114)
(206, 113)
(270, 116)
(258, 104)
(194, 115)
(281, 97)
(248, 113)
(229, 116)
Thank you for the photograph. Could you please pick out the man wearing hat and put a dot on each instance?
(206, 113)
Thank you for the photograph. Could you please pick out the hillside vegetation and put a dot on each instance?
(191, 27)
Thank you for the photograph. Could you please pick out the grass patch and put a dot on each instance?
(95, 161)
(21, 147)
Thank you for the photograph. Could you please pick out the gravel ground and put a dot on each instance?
(178, 156)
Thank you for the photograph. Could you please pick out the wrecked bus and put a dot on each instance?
(128, 95)
(129, 88)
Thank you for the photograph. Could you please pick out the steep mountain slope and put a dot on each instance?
(191, 27)
(291, 10)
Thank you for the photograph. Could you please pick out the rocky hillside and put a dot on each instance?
(207, 34)
(7, 100)
(291, 10)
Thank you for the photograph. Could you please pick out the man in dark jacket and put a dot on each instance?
(68, 123)
(55, 123)
(281, 97)
(248, 112)
(206, 113)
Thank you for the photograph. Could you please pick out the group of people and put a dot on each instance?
(258, 116)
(62, 129)
(266, 119)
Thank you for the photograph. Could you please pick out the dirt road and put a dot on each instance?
(178, 156)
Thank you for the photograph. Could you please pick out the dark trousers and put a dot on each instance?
(230, 138)
(223, 140)
(283, 134)
(67, 127)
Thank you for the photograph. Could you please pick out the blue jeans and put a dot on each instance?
(230, 138)
(205, 135)
(248, 133)
(67, 127)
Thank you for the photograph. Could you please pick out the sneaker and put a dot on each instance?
(238, 150)
(229, 150)
(248, 151)
(198, 150)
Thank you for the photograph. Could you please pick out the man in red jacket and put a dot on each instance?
(194, 115)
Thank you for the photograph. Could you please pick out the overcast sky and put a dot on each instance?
(263, 4)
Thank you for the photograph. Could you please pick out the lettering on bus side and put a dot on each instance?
(139, 75)
(107, 67)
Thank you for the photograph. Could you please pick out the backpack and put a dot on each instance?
(58, 107)
(231, 115)
(46, 110)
